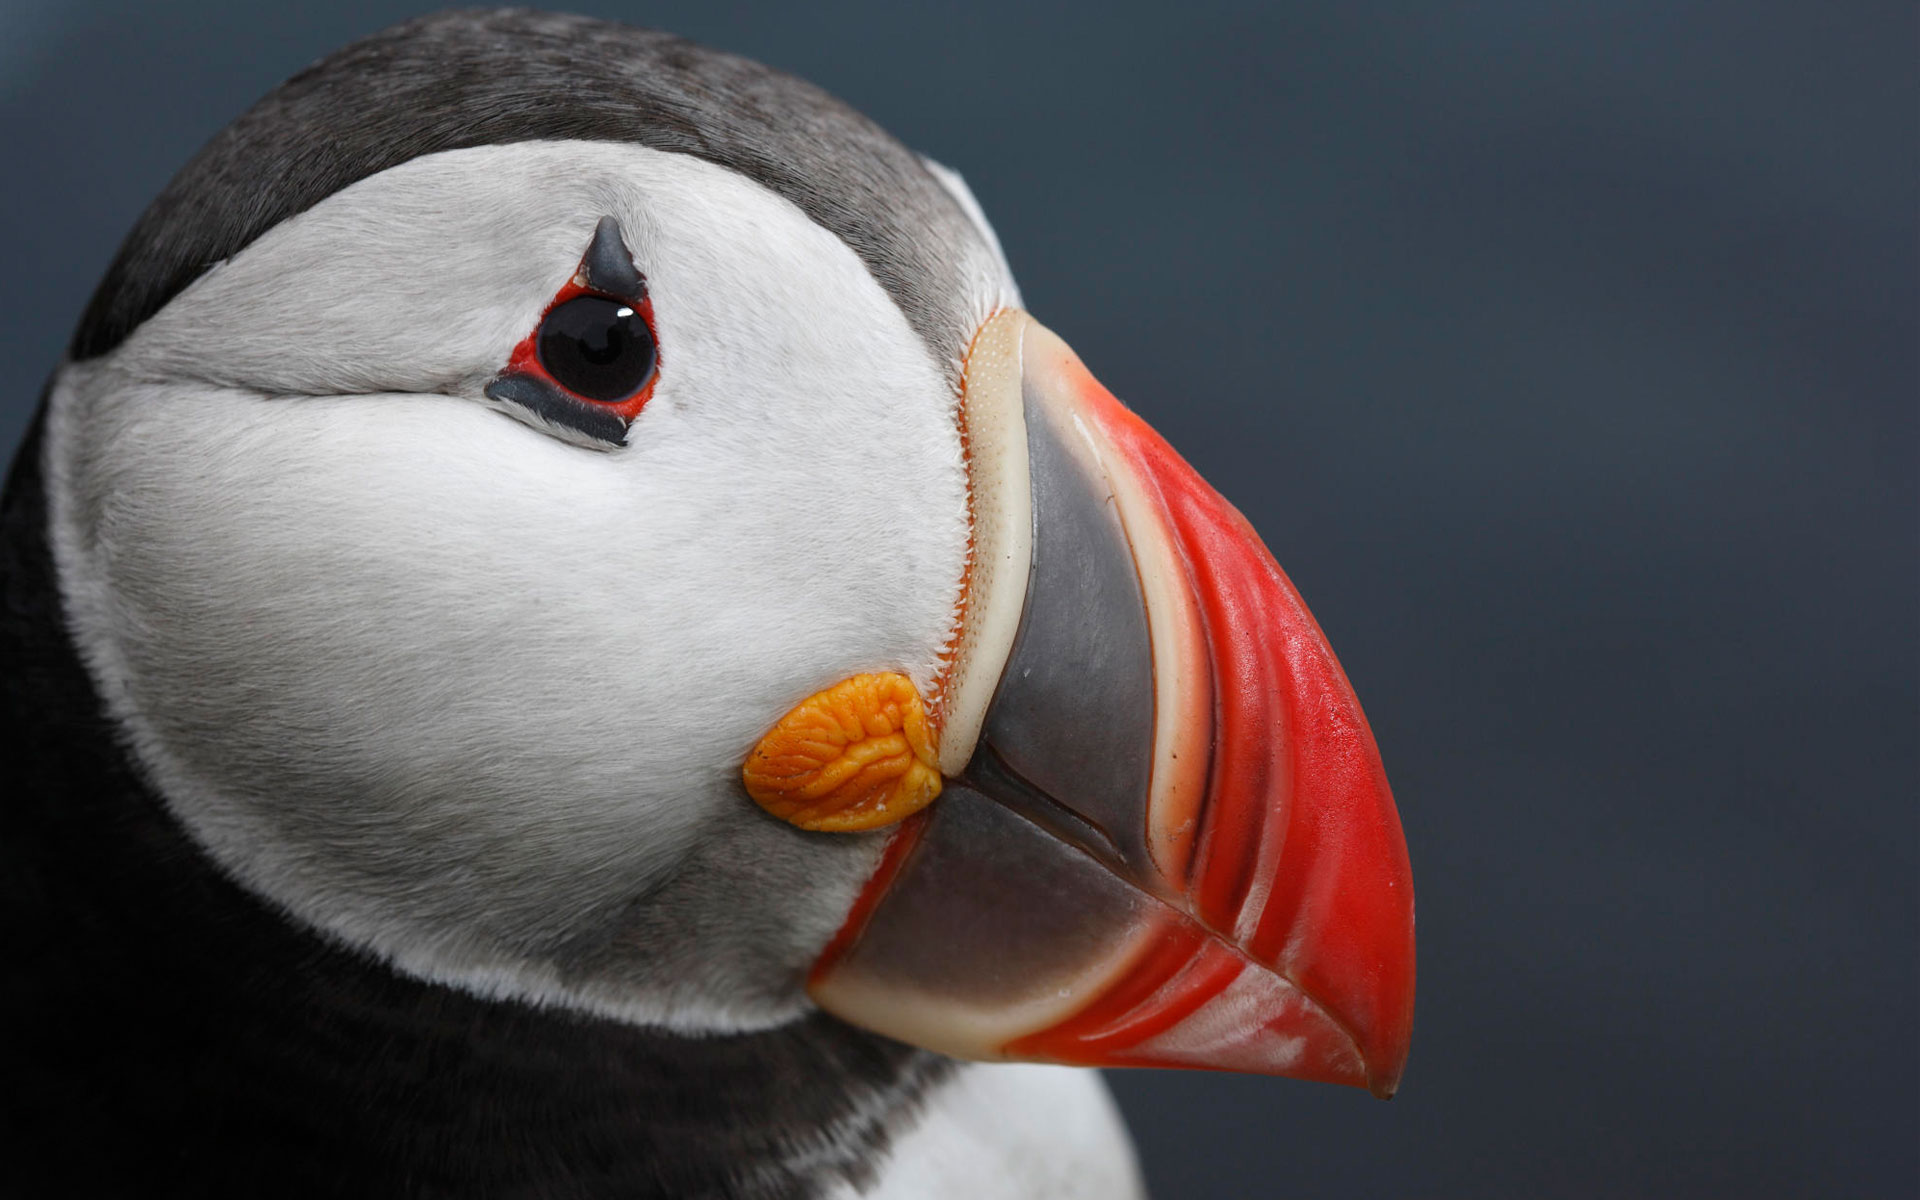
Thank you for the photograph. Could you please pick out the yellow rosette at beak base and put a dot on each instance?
(856, 756)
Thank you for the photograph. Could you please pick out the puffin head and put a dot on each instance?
(586, 521)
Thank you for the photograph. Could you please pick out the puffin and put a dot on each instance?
(565, 634)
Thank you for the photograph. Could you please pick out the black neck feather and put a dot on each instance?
(168, 1034)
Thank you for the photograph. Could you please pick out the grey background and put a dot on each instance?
(1566, 356)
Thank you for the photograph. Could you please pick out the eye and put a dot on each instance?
(597, 348)
(591, 364)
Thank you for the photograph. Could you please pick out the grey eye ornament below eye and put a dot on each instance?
(591, 363)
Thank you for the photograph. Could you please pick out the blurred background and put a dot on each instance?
(1566, 356)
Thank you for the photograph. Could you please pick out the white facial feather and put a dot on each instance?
(1013, 1131)
(467, 696)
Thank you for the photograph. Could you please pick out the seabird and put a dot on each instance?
(563, 633)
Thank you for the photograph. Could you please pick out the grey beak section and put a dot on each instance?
(1068, 738)
(1030, 877)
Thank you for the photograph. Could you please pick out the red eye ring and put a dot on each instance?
(527, 359)
(593, 358)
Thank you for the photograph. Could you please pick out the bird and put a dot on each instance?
(565, 633)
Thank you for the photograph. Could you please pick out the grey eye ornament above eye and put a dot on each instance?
(591, 363)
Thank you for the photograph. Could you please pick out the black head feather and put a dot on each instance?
(479, 78)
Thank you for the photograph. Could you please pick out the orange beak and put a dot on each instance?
(1165, 837)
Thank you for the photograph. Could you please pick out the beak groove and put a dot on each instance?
(1168, 839)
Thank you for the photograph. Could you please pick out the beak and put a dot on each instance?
(1165, 836)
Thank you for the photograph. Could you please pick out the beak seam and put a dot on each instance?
(993, 586)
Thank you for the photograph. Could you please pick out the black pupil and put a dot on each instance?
(596, 347)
